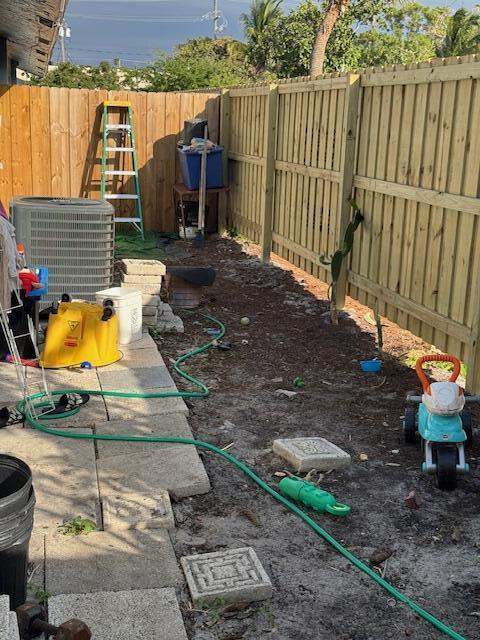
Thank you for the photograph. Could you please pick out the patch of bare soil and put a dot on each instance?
(318, 594)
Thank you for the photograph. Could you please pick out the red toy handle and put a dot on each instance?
(437, 358)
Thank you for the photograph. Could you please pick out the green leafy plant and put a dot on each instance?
(77, 526)
(338, 257)
(39, 594)
(415, 354)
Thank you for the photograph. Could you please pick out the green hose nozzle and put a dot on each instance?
(311, 496)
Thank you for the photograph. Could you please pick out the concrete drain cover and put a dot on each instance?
(305, 454)
(235, 575)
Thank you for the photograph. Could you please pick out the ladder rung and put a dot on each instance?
(120, 173)
(117, 103)
(126, 149)
(129, 220)
(120, 196)
(118, 127)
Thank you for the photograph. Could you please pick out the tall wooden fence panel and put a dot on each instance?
(246, 155)
(405, 141)
(417, 182)
(50, 144)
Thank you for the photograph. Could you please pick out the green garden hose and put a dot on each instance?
(203, 393)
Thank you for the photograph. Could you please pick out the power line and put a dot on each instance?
(167, 19)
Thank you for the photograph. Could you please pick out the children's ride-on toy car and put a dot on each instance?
(444, 427)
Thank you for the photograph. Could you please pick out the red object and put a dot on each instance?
(24, 361)
(28, 278)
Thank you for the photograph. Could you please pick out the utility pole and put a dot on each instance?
(216, 19)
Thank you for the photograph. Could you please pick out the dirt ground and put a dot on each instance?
(318, 594)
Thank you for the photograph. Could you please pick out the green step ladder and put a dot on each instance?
(126, 145)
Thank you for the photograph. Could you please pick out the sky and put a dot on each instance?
(133, 30)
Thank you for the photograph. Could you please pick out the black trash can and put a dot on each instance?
(17, 505)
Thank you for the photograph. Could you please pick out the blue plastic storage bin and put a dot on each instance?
(191, 164)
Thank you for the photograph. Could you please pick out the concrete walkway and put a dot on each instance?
(84, 478)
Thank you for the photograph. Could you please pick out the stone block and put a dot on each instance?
(176, 469)
(146, 342)
(138, 511)
(137, 281)
(151, 614)
(135, 359)
(143, 267)
(64, 474)
(125, 408)
(139, 379)
(150, 299)
(175, 325)
(110, 561)
(305, 454)
(235, 575)
(150, 310)
(172, 425)
(150, 321)
(14, 633)
(151, 289)
(4, 617)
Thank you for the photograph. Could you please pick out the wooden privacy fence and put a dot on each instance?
(50, 143)
(406, 141)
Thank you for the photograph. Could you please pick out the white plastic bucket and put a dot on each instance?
(128, 306)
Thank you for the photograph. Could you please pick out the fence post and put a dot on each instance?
(225, 142)
(268, 182)
(347, 168)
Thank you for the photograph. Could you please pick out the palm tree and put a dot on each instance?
(262, 14)
(334, 10)
(463, 35)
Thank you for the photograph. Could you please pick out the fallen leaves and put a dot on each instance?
(379, 556)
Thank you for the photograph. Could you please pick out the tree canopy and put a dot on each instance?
(280, 44)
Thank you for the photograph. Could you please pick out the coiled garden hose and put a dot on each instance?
(203, 393)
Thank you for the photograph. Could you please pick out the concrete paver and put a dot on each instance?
(112, 561)
(174, 424)
(234, 575)
(124, 408)
(137, 379)
(178, 470)
(133, 511)
(14, 633)
(311, 453)
(64, 474)
(141, 267)
(152, 614)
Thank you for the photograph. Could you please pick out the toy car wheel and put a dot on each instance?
(108, 303)
(66, 297)
(446, 466)
(410, 425)
(54, 308)
(466, 417)
(108, 312)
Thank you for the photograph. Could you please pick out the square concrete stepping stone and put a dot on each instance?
(235, 575)
(124, 408)
(174, 424)
(135, 511)
(132, 266)
(305, 454)
(149, 614)
(177, 470)
(110, 561)
(138, 379)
